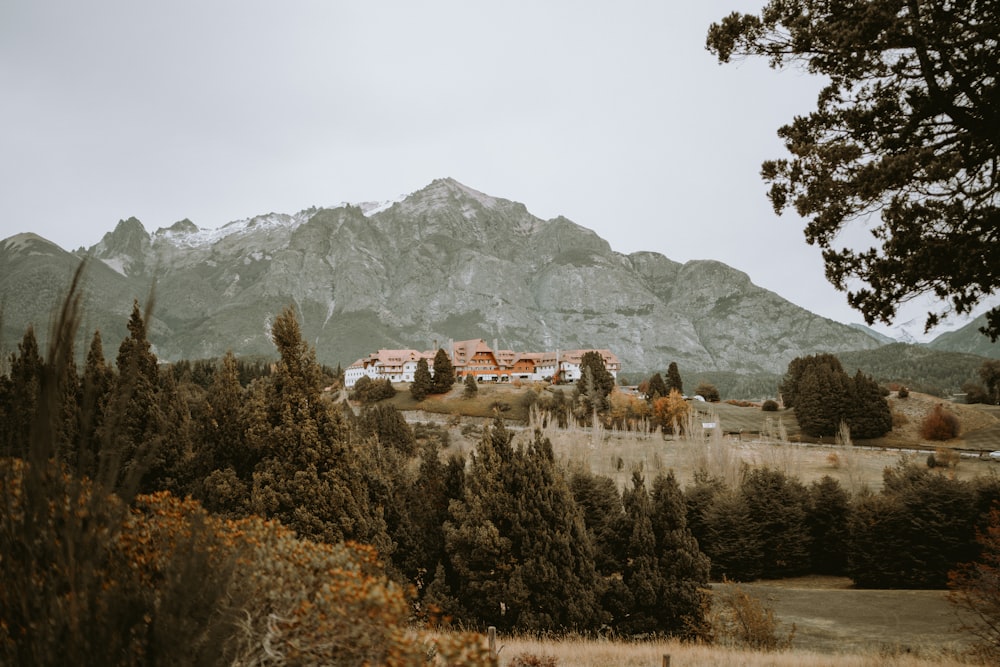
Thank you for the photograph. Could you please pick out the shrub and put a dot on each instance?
(532, 660)
(708, 391)
(939, 425)
(471, 386)
(944, 458)
(367, 390)
(770, 405)
(739, 619)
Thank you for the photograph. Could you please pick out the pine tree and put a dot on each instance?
(140, 426)
(444, 373)
(870, 415)
(683, 566)
(601, 505)
(554, 584)
(223, 436)
(827, 516)
(422, 382)
(517, 543)
(471, 386)
(732, 538)
(641, 573)
(97, 384)
(311, 476)
(388, 424)
(657, 388)
(22, 396)
(477, 534)
(777, 506)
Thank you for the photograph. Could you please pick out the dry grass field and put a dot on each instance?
(835, 624)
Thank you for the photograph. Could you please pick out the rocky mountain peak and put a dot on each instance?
(125, 248)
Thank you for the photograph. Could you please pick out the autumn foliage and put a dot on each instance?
(939, 425)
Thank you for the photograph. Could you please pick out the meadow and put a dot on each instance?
(834, 624)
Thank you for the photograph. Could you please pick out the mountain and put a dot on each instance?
(969, 340)
(446, 262)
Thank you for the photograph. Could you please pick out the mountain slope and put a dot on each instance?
(968, 339)
(446, 262)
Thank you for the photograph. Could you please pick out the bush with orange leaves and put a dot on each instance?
(299, 602)
(939, 424)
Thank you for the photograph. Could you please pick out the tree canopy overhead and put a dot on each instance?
(906, 131)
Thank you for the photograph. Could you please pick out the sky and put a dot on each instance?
(613, 115)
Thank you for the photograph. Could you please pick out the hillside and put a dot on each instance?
(918, 367)
(445, 263)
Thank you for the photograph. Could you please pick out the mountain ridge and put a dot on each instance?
(445, 262)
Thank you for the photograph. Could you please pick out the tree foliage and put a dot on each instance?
(905, 129)
(974, 587)
(674, 381)
(422, 381)
(444, 373)
(516, 541)
(824, 396)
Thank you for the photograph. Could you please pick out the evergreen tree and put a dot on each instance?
(683, 566)
(312, 476)
(641, 573)
(419, 535)
(823, 396)
(732, 538)
(789, 387)
(517, 543)
(471, 386)
(22, 396)
(920, 527)
(827, 516)
(97, 384)
(477, 534)
(222, 431)
(444, 373)
(698, 498)
(141, 427)
(674, 379)
(870, 415)
(778, 505)
(602, 378)
(657, 388)
(601, 504)
(555, 584)
(422, 381)
(389, 426)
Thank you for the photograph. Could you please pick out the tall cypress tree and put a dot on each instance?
(674, 379)
(223, 435)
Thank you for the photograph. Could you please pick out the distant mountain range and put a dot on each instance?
(446, 262)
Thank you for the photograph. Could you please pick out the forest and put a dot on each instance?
(137, 493)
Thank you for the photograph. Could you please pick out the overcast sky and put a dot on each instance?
(611, 114)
